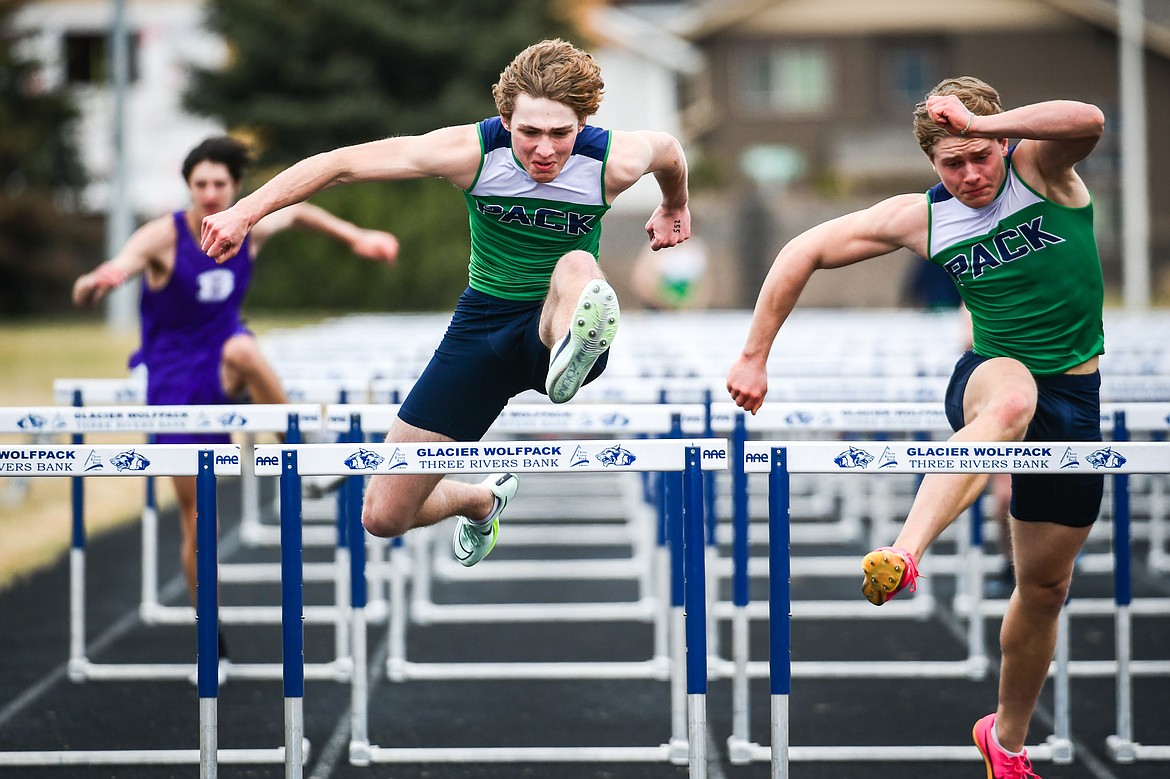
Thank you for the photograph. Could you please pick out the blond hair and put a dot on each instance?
(981, 99)
(552, 69)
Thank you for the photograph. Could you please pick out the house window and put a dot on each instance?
(785, 78)
(909, 71)
(87, 57)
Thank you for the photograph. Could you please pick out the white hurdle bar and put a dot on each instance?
(206, 465)
(689, 458)
(780, 458)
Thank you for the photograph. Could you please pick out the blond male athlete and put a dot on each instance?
(1013, 225)
(537, 313)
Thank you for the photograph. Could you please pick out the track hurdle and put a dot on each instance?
(206, 465)
(572, 456)
(247, 419)
(779, 459)
(650, 570)
(131, 391)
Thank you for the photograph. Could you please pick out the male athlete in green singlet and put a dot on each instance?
(538, 312)
(1013, 225)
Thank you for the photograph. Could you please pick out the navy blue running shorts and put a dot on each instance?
(490, 353)
(1068, 408)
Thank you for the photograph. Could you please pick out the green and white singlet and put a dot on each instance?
(521, 228)
(1027, 269)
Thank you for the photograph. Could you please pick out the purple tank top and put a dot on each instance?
(186, 323)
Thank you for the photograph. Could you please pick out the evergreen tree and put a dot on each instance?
(41, 173)
(310, 75)
(305, 76)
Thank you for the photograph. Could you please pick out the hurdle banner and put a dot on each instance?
(560, 456)
(540, 418)
(893, 417)
(206, 464)
(210, 419)
(961, 457)
(780, 458)
(115, 459)
(491, 456)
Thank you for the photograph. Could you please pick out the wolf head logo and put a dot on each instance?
(364, 460)
(615, 455)
(232, 419)
(853, 458)
(1105, 458)
(32, 422)
(129, 461)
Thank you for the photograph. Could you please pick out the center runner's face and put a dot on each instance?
(543, 134)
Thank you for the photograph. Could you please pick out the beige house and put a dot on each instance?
(802, 113)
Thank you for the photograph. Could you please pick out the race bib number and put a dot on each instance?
(215, 285)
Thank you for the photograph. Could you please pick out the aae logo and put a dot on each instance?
(616, 455)
(853, 458)
(267, 459)
(227, 459)
(129, 461)
(1105, 458)
(364, 460)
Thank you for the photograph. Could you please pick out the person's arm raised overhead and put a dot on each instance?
(451, 153)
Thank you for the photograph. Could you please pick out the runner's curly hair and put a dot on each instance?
(981, 99)
(552, 69)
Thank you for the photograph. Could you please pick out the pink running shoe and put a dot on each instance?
(887, 572)
(1000, 765)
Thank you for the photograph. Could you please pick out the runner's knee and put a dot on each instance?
(241, 353)
(1012, 410)
(382, 514)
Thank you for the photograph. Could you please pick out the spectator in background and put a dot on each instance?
(672, 281)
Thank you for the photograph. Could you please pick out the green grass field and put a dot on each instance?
(35, 525)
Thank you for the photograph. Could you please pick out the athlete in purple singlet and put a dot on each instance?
(194, 345)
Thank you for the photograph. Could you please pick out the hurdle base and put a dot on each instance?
(740, 751)
(916, 753)
(77, 669)
(1125, 751)
(1122, 750)
(359, 753)
(399, 670)
(340, 670)
(599, 754)
(1062, 750)
(426, 612)
(139, 757)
